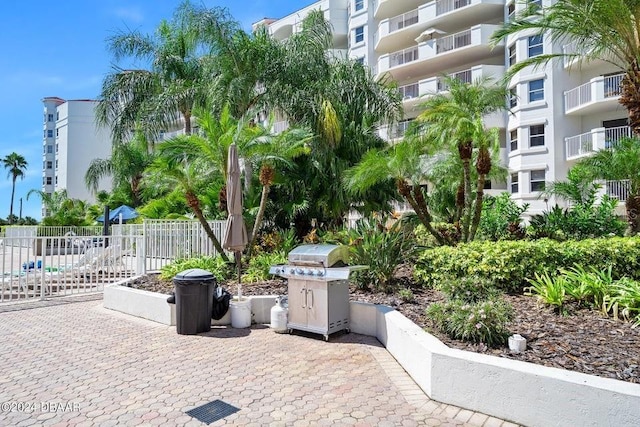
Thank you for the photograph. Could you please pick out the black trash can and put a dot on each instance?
(194, 298)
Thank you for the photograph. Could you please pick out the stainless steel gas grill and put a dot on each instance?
(318, 288)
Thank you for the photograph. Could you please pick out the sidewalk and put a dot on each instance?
(77, 363)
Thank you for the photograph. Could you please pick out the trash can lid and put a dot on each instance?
(194, 274)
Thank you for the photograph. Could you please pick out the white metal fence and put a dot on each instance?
(401, 21)
(445, 6)
(454, 41)
(403, 56)
(43, 266)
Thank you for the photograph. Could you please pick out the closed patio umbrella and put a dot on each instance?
(236, 233)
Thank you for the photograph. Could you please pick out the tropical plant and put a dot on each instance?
(468, 289)
(163, 95)
(548, 290)
(406, 295)
(501, 218)
(484, 321)
(62, 210)
(625, 300)
(382, 249)
(216, 265)
(456, 121)
(16, 166)
(126, 166)
(259, 265)
(620, 162)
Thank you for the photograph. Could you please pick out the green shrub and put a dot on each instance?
(468, 289)
(508, 263)
(484, 321)
(216, 265)
(501, 218)
(626, 300)
(406, 295)
(258, 268)
(550, 291)
(589, 286)
(450, 232)
(382, 249)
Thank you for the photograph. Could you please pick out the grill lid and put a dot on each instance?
(323, 254)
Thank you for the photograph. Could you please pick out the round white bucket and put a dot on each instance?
(240, 313)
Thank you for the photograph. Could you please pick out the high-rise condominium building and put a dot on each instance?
(558, 114)
(71, 140)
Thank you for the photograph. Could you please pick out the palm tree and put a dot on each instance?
(606, 30)
(620, 162)
(161, 96)
(62, 210)
(188, 175)
(17, 166)
(269, 151)
(126, 165)
(456, 120)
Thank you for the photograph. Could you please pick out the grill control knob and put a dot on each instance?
(299, 271)
(320, 273)
(292, 271)
(308, 272)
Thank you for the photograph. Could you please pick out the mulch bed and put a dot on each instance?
(581, 341)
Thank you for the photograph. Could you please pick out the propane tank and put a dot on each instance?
(279, 315)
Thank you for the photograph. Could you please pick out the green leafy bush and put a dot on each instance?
(483, 321)
(406, 295)
(589, 285)
(382, 249)
(450, 232)
(501, 218)
(468, 289)
(508, 263)
(550, 291)
(626, 300)
(258, 268)
(216, 265)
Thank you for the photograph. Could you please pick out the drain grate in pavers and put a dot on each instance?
(212, 411)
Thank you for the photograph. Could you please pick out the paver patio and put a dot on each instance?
(73, 362)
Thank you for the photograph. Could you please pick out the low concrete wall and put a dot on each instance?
(521, 392)
(154, 306)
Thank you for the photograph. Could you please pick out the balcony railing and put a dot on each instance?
(401, 21)
(618, 189)
(279, 127)
(454, 41)
(464, 76)
(409, 91)
(400, 129)
(598, 139)
(584, 94)
(445, 6)
(403, 56)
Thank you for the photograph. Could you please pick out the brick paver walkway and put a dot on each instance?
(80, 364)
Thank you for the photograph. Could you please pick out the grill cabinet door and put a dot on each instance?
(318, 313)
(297, 303)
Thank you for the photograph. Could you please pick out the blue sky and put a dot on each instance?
(58, 49)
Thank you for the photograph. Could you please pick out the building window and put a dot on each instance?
(57, 115)
(57, 132)
(512, 54)
(360, 60)
(536, 90)
(513, 139)
(49, 180)
(513, 97)
(535, 46)
(56, 148)
(535, 3)
(56, 163)
(49, 164)
(487, 184)
(49, 133)
(49, 117)
(359, 34)
(511, 10)
(49, 149)
(514, 183)
(536, 136)
(537, 180)
(56, 179)
(358, 5)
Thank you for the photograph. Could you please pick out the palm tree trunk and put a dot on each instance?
(187, 122)
(630, 97)
(13, 191)
(194, 204)
(478, 207)
(422, 211)
(633, 213)
(259, 216)
(465, 151)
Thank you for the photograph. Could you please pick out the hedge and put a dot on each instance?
(509, 263)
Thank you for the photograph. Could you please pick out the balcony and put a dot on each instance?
(449, 16)
(437, 84)
(410, 94)
(570, 62)
(585, 144)
(617, 189)
(598, 95)
(389, 8)
(440, 54)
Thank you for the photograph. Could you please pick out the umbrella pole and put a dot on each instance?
(238, 257)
